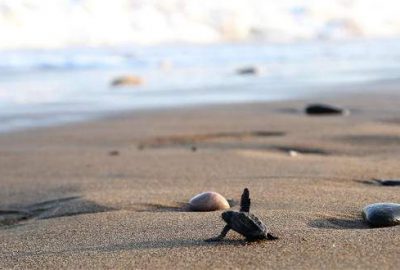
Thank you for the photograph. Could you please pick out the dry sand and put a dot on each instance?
(109, 193)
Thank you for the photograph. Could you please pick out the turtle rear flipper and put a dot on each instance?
(271, 237)
(245, 201)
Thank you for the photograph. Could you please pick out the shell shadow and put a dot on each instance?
(179, 207)
(155, 207)
(338, 224)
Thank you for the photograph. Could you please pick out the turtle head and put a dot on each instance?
(227, 216)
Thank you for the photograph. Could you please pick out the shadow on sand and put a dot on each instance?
(338, 224)
(61, 207)
(143, 245)
(179, 207)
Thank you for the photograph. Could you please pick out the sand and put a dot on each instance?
(112, 193)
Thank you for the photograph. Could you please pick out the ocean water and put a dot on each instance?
(58, 57)
(54, 86)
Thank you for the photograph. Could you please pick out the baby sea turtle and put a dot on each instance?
(244, 223)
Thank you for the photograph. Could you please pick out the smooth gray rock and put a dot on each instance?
(382, 214)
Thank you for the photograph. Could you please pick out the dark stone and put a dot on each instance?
(387, 182)
(248, 71)
(382, 214)
(321, 109)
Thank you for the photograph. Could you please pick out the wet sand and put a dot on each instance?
(112, 193)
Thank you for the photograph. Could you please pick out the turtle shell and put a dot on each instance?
(247, 225)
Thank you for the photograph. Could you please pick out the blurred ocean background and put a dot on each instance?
(58, 57)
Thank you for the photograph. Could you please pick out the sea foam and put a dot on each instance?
(66, 23)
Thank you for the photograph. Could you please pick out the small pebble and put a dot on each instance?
(114, 153)
(293, 153)
(251, 70)
(208, 201)
(129, 80)
(322, 109)
(382, 214)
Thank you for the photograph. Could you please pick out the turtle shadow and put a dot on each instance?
(61, 207)
(175, 244)
(141, 245)
(338, 224)
(179, 207)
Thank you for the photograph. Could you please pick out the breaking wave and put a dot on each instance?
(71, 23)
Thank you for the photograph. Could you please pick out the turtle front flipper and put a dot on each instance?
(245, 201)
(221, 236)
(271, 237)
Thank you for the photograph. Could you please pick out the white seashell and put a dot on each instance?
(208, 201)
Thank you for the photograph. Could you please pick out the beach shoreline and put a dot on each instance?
(54, 120)
(109, 193)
